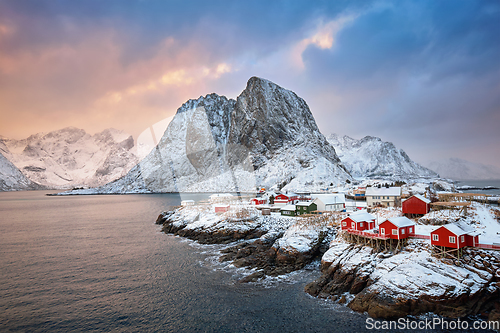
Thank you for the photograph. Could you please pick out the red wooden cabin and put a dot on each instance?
(358, 221)
(258, 201)
(454, 235)
(416, 205)
(286, 199)
(397, 228)
(221, 208)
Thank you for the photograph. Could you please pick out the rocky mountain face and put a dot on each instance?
(11, 178)
(373, 158)
(459, 169)
(266, 137)
(71, 157)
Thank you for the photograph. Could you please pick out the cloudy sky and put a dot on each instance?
(422, 74)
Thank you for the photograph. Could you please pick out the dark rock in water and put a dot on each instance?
(252, 277)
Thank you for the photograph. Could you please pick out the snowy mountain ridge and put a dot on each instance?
(266, 137)
(11, 178)
(71, 157)
(459, 169)
(370, 157)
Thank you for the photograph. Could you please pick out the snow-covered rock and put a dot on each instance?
(411, 282)
(267, 137)
(372, 157)
(12, 179)
(70, 157)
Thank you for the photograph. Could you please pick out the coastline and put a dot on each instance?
(351, 274)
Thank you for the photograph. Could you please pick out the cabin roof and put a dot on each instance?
(460, 229)
(401, 221)
(361, 216)
(307, 203)
(422, 198)
(388, 191)
(288, 207)
(330, 199)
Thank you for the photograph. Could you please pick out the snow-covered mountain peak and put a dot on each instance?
(372, 157)
(267, 137)
(71, 157)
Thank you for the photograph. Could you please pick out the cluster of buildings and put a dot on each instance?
(293, 204)
(446, 238)
(361, 223)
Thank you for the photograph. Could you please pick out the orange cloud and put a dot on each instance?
(323, 37)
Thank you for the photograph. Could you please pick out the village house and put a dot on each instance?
(329, 202)
(221, 208)
(288, 210)
(286, 199)
(416, 205)
(359, 192)
(358, 221)
(454, 235)
(258, 201)
(306, 207)
(397, 228)
(383, 196)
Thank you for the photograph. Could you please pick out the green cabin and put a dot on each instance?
(305, 208)
(288, 210)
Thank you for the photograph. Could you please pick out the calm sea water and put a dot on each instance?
(98, 263)
(482, 183)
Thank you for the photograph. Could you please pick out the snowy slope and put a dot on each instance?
(458, 169)
(372, 157)
(11, 179)
(267, 137)
(71, 157)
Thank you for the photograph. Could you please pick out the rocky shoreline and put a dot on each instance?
(381, 284)
(386, 285)
(267, 246)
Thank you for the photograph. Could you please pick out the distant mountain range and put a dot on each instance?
(370, 157)
(459, 169)
(267, 137)
(70, 157)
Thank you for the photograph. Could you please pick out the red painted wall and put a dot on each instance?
(414, 205)
(366, 225)
(444, 239)
(388, 226)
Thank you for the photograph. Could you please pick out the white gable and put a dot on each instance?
(330, 199)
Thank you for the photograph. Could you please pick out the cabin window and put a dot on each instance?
(452, 239)
(403, 231)
(394, 231)
(435, 237)
(344, 224)
(382, 231)
(462, 239)
(411, 229)
(361, 224)
(353, 225)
